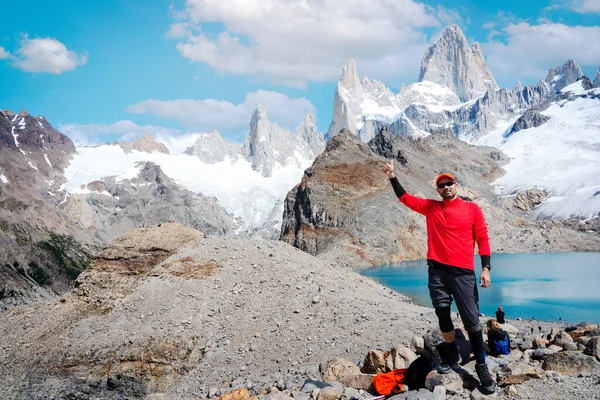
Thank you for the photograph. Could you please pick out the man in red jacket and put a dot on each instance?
(453, 227)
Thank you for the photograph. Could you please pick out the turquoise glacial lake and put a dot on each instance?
(545, 286)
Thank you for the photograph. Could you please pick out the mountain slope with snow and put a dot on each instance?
(256, 201)
(560, 157)
(250, 182)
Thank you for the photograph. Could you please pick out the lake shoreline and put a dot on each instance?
(551, 287)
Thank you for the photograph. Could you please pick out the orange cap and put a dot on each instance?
(500, 308)
(444, 175)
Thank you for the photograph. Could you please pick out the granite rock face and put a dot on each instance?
(268, 146)
(564, 75)
(451, 62)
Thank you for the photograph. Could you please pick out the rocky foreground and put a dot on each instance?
(167, 312)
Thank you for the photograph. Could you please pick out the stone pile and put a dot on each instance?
(548, 357)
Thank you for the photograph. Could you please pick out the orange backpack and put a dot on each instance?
(390, 382)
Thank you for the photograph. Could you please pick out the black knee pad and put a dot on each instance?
(444, 318)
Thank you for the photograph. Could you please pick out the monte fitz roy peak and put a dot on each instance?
(455, 90)
(452, 63)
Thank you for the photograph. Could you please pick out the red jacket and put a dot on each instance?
(453, 227)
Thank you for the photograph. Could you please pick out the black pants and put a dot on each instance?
(446, 283)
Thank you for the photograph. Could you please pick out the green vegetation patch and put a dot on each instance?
(67, 254)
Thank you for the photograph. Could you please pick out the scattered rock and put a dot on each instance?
(330, 393)
(335, 370)
(571, 362)
(593, 347)
(374, 362)
(517, 372)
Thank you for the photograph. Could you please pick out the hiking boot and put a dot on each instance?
(488, 386)
(450, 357)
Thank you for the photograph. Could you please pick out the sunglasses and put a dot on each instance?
(443, 185)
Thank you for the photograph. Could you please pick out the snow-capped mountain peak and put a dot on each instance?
(564, 75)
(210, 148)
(268, 146)
(452, 63)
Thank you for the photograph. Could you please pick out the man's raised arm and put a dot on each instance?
(414, 203)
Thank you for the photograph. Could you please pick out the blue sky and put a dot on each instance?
(102, 71)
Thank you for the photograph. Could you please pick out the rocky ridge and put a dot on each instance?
(145, 144)
(108, 208)
(345, 211)
(48, 236)
(422, 108)
(564, 75)
(268, 146)
(450, 62)
(43, 250)
(166, 312)
(597, 79)
(358, 103)
(210, 148)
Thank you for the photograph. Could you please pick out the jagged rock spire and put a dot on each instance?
(452, 63)
(597, 79)
(564, 75)
(268, 145)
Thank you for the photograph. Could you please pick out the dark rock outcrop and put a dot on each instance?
(345, 210)
(530, 119)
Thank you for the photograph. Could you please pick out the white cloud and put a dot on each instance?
(210, 114)
(579, 6)
(295, 41)
(526, 52)
(3, 53)
(46, 55)
(94, 134)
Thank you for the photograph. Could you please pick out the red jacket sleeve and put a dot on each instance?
(415, 203)
(481, 232)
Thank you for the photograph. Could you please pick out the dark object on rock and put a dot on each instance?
(488, 385)
(417, 371)
(450, 357)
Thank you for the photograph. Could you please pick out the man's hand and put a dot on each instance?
(484, 278)
(388, 169)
